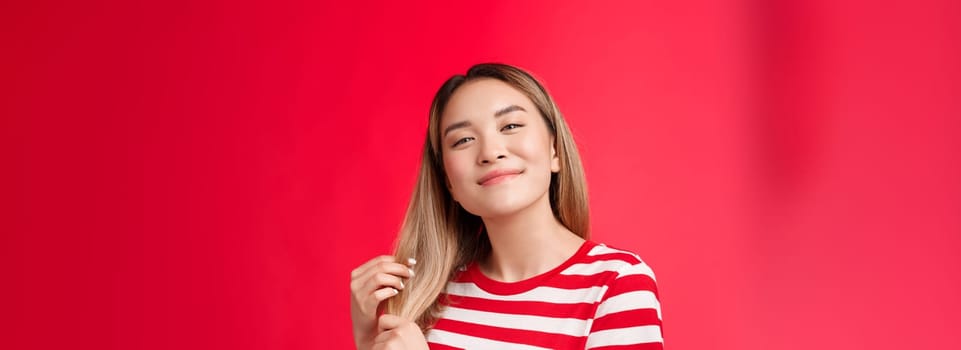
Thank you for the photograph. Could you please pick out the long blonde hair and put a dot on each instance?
(440, 234)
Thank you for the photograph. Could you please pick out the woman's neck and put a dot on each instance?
(527, 243)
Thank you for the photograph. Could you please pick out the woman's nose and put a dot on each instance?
(485, 161)
(491, 150)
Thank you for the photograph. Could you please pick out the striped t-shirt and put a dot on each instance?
(600, 298)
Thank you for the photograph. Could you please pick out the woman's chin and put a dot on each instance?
(500, 208)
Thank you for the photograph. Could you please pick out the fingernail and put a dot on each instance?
(411, 271)
(395, 291)
(401, 284)
(411, 261)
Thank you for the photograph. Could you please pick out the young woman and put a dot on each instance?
(494, 252)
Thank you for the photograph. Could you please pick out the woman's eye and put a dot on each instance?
(511, 127)
(461, 141)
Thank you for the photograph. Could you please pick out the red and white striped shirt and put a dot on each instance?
(600, 298)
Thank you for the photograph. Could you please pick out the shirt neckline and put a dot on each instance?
(503, 288)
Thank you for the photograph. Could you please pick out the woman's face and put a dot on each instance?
(498, 152)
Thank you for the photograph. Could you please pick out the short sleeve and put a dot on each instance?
(629, 313)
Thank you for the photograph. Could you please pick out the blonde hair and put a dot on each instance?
(440, 233)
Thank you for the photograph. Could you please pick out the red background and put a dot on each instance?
(184, 175)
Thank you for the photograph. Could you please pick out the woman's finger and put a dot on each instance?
(382, 294)
(368, 281)
(383, 336)
(393, 268)
(396, 332)
(388, 322)
(363, 268)
(377, 297)
(363, 285)
(381, 280)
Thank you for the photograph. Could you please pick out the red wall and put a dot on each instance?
(192, 175)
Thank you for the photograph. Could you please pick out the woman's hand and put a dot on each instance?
(398, 333)
(370, 283)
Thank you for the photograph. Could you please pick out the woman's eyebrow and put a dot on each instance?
(508, 109)
(456, 125)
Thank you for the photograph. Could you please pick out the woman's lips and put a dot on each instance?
(499, 176)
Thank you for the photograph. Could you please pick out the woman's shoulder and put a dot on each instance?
(602, 257)
(599, 251)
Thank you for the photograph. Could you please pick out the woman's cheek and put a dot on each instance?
(534, 151)
(457, 170)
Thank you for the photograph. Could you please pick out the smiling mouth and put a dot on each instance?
(500, 178)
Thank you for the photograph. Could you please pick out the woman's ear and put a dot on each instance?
(555, 160)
